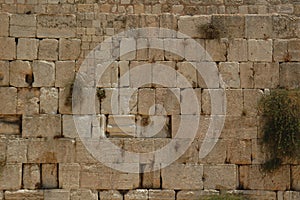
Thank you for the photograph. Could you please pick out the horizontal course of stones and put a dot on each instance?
(41, 155)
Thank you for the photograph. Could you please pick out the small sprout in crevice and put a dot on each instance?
(101, 93)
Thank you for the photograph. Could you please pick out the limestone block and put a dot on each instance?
(251, 177)
(259, 26)
(128, 45)
(234, 102)
(146, 101)
(20, 74)
(4, 24)
(139, 194)
(259, 152)
(156, 49)
(24, 194)
(48, 100)
(51, 151)
(8, 48)
(69, 175)
(28, 101)
(180, 176)
(217, 155)
(11, 177)
(190, 99)
(4, 73)
(291, 195)
(110, 195)
(206, 106)
(121, 126)
(16, 151)
(167, 101)
(108, 78)
(150, 179)
(193, 26)
(231, 26)
(27, 49)
(123, 69)
(22, 25)
(212, 76)
(41, 126)
(255, 194)
(295, 177)
(260, 50)
(8, 100)
(169, 21)
(174, 49)
(139, 78)
(56, 26)
(161, 194)
(266, 75)
(127, 101)
(289, 74)
(164, 74)
(247, 75)
(49, 176)
(280, 48)
(110, 101)
(31, 176)
(10, 125)
(240, 127)
(216, 49)
(195, 194)
(48, 49)
(229, 72)
(283, 26)
(239, 152)
(44, 73)
(65, 100)
(69, 49)
(65, 73)
(186, 75)
(56, 194)
(153, 126)
(84, 194)
(294, 49)
(189, 50)
(220, 176)
(238, 50)
(251, 101)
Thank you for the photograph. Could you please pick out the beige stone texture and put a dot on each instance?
(31, 176)
(8, 48)
(157, 126)
(16, 151)
(49, 176)
(294, 49)
(289, 75)
(20, 73)
(230, 26)
(259, 27)
(138, 194)
(252, 98)
(266, 75)
(110, 195)
(48, 100)
(247, 75)
(69, 49)
(193, 26)
(255, 194)
(239, 152)
(8, 100)
(84, 194)
(11, 177)
(4, 24)
(22, 25)
(237, 50)
(56, 194)
(280, 50)
(146, 101)
(44, 73)
(121, 126)
(295, 177)
(161, 194)
(24, 194)
(260, 50)
(27, 49)
(186, 75)
(4, 73)
(48, 49)
(229, 72)
(10, 125)
(195, 194)
(64, 73)
(240, 127)
(216, 49)
(168, 100)
(28, 101)
(69, 175)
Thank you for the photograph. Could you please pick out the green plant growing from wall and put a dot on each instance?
(281, 114)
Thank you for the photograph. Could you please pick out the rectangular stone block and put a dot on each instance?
(24, 194)
(4, 24)
(294, 49)
(27, 49)
(28, 101)
(180, 177)
(295, 177)
(220, 177)
(109, 97)
(69, 175)
(22, 25)
(260, 50)
(156, 52)
(146, 99)
(4, 73)
(238, 50)
(289, 74)
(231, 26)
(48, 100)
(109, 77)
(8, 100)
(229, 72)
(195, 194)
(48, 49)
(193, 26)
(247, 75)
(188, 75)
(169, 101)
(251, 101)
(139, 194)
(240, 127)
(161, 194)
(110, 195)
(121, 126)
(56, 194)
(16, 151)
(206, 102)
(11, 177)
(216, 49)
(20, 74)
(31, 176)
(239, 152)
(234, 99)
(84, 194)
(255, 194)
(127, 45)
(65, 99)
(259, 26)
(44, 73)
(49, 176)
(280, 48)
(10, 125)
(127, 101)
(65, 73)
(266, 75)
(69, 49)
(147, 126)
(7, 48)
(289, 195)
(41, 126)
(56, 26)
(251, 177)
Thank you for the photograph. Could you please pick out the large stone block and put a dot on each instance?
(195, 194)
(238, 50)
(231, 26)
(193, 26)
(240, 127)
(11, 176)
(16, 151)
(4, 73)
(24, 194)
(22, 25)
(146, 101)
(56, 194)
(168, 100)
(259, 26)
(180, 176)
(294, 49)
(247, 75)
(234, 102)
(56, 26)
(289, 75)
(28, 101)
(229, 72)
(217, 155)
(251, 101)
(121, 126)
(252, 177)
(8, 100)
(84, 194)
(49, 176)
(187, 75)
(27, 49)
(7, 48)
(288, 195)
(20, 74)
(219, 104)
(10, 125)
(255, 194)
(48, 49)
(65, 73)
(41, 126)
(31, 176)
(69, 175)
(216, 49)
(280, 48)
(69, 49)
(161, 194)
(260, 50)
(110, 195)
(44, 73)
(295, 177)
(127, 101)
(139, 194)
(239, 152)
(48, 100)
(4, 24)
(266, 75)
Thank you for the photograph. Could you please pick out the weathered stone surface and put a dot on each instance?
(230, 26)
(193, 26)
(294, 49)
(110, 195)
(127, 101)
(8, 48)
(189, 97)
(23, 25)
(229, 72)
(187, 77)
(11, 176)
(49, 176)
(69, 49)
(216, 49)
(41, 126)
(289, 195)
(4, 24)
(260, 50)
(48, 49)
(220, 176)
(56, 26)
(56, 194)
(247, 75)
(8, 100)
(295, 177)
(206, 106)
(20, 74)
(10, 125)
(65, 73)
(161, 194)
(234, 99)
(289, 75)
(31, 176)
(127, 45)
(4, 73)
(238, 50)
(259, 26)
(239, 152)
(16, 151)
(138, 194)
(84, 194)
(44, 73)
(27, 49)
(195, 195)
(180, 176)
(255, 194)
(24, 194)
(240, 127)
(251, 101)
(28, 101)
(69, 175)
(280, 48)
(168, 100)
(153, 126)
(266, 75)
(121, 126)
(48, 100)
(146, 101)
(251, 177)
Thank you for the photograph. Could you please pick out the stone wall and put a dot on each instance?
(255, 45)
